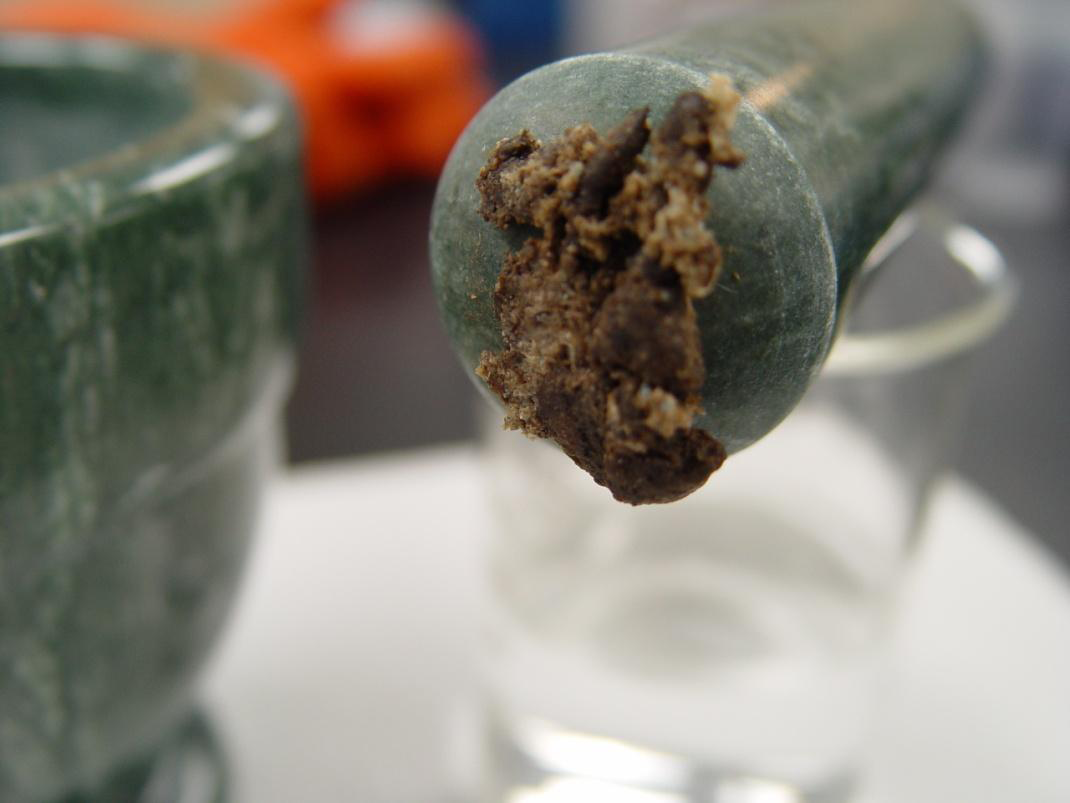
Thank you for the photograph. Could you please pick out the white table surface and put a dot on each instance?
(347, 671)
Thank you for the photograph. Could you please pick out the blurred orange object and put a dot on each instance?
(384, 88)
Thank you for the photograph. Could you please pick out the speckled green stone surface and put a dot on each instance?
(846, 106)
(151, 246)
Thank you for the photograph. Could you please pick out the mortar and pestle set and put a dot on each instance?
(152, 247)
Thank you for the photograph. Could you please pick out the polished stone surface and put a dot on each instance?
(151, 216)
(189, 767)
(845, 109)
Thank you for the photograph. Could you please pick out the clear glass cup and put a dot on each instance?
(727, 647)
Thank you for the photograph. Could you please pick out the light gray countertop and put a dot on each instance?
(348, 669)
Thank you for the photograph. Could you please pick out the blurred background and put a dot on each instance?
(386, 85)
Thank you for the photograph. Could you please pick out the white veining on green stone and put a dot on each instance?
(145, 342)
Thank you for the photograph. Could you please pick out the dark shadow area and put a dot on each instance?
(375, 369)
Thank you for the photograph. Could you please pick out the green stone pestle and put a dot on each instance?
(846, 106)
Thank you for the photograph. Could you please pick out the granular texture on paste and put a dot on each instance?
(602, 351)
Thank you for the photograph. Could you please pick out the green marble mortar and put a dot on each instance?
(151, 247)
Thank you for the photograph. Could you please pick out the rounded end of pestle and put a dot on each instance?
(766, 326)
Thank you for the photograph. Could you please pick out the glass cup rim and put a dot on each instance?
(917, 345)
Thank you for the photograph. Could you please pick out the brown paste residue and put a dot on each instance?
(602, 350)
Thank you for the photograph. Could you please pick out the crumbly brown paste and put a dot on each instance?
(602, 350)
